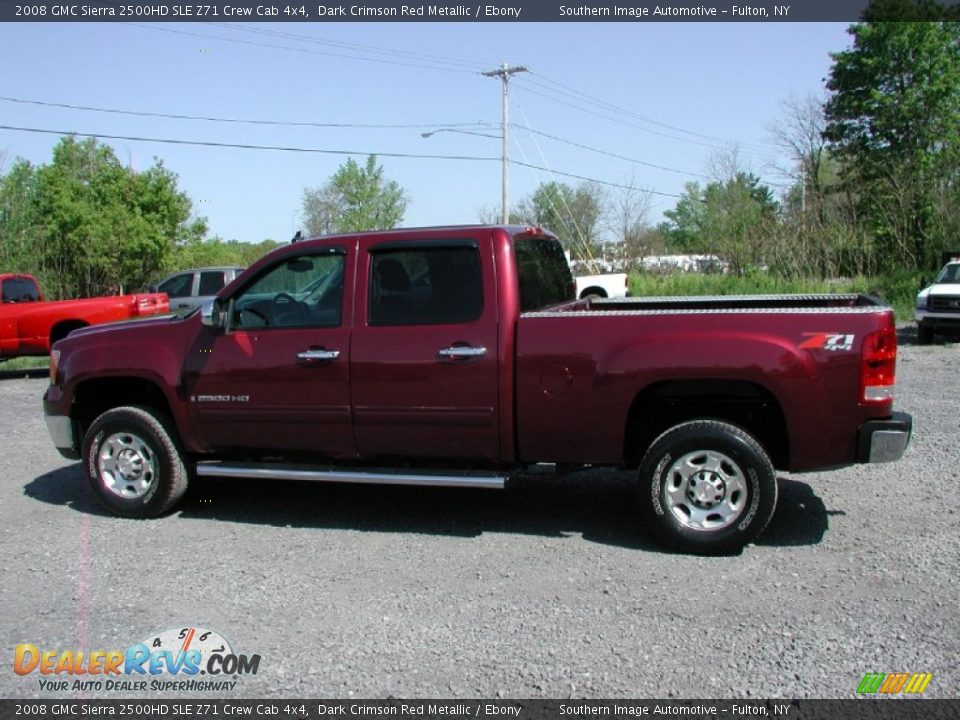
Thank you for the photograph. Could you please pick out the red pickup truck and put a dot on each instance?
(458, 355)
(29, 325)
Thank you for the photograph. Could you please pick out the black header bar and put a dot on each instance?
(624, 11)
(181, 709)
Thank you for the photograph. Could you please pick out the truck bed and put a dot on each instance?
(583, 362)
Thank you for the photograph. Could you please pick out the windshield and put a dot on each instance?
(949, 274)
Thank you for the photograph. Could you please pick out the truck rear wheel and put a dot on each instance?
(132, 462)
(707, 487)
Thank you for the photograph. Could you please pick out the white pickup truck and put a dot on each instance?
(608, 285)
(938, 305)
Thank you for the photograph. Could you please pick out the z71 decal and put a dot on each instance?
(828, 341)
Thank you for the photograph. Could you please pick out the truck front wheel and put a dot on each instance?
(132, 462)
(924, 334)
(707, 487)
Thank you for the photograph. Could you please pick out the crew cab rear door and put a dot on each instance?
(424, 362)
(277, 377)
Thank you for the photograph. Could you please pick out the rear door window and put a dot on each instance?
(425, 285)
(211, 282)
(543, 272)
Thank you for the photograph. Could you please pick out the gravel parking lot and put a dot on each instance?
(549, 589)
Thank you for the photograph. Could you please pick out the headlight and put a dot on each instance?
(922, 302)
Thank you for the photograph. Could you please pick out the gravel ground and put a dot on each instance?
(549, 589)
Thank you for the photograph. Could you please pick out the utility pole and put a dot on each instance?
(504, 74)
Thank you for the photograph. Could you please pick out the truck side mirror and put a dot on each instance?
(211, 313)
(924, 281)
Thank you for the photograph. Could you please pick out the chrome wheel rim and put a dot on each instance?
(705, 490)
(127, 465)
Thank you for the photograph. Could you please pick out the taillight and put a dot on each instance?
(878, 365)
(147, 305)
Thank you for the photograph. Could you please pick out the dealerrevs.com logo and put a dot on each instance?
(187, 659)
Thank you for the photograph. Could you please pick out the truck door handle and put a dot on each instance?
(463, 352)
(318, 355)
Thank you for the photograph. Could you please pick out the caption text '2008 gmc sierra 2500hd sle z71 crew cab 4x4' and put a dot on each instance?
(456, 355)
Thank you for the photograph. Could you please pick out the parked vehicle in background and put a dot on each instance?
(189, 289)
(594, 279)
(608, 285)
(457, 356)
(938, 305)
(29, 325)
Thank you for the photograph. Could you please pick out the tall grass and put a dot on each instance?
(898, 291)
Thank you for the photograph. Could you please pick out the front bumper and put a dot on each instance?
(881, 441)
(943, 323)
(62, 433)
(62, 429)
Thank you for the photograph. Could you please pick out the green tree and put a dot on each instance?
(87, 225)
(355, 198)
(216, 251)
(893, 121)
(574, 214)
(734, 219)
(19, 219)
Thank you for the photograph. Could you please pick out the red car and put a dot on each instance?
(29, 325)
(457, 355)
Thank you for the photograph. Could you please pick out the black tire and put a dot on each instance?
(148, 475)
(694, 508)
(924, 334)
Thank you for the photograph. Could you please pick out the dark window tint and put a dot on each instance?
(178, 286)
(20, 290)
(425, 286)
(211, 282)
(305, 291)
(545, 277)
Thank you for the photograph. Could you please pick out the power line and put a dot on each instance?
(602, 103)
(284, 123)
(243, 146)
(609, 154)
(434, 59)
(307, 51)
(426, 57)
(323, 151)
(621, 121)
(290, 123)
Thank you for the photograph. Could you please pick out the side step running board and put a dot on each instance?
(492, 481)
